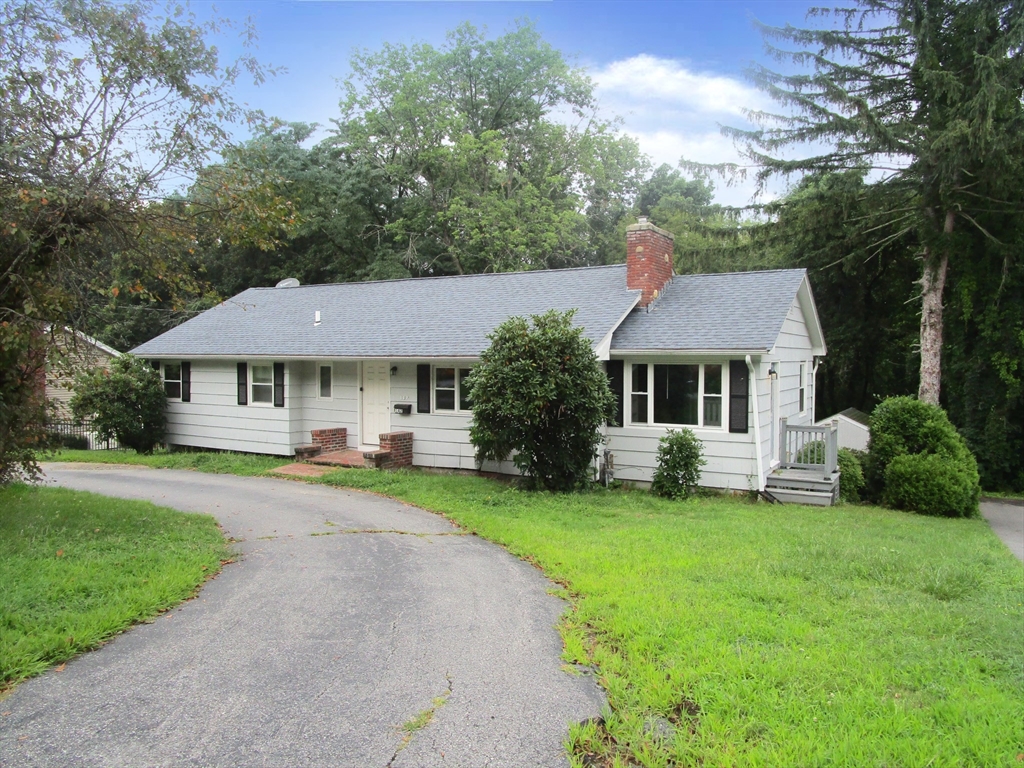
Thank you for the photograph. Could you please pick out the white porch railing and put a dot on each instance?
(809, 447)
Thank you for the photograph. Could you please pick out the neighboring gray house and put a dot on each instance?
(728, 355)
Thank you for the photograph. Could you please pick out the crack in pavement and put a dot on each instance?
(420, 721)
(392, 530)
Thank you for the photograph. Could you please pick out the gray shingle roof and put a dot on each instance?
(731, 311)
(421, 317)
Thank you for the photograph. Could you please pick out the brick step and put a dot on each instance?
(346, 458)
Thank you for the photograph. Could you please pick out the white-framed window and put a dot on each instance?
(172, 380)
(803, 387)
(262, 384)
(688, 394)
(325, 382)
(450, 390)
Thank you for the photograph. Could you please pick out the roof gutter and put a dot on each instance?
(757, 426)
(306, 357)
(719, 352)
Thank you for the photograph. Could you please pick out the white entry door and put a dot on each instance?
(376, 401)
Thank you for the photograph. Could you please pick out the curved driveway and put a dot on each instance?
(313, 650)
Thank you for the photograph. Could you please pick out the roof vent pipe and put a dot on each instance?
(316, 317)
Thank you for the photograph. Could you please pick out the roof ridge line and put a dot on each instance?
(436, 277)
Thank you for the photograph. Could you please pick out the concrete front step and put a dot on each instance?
(347, 458)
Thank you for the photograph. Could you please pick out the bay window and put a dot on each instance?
(680, 394)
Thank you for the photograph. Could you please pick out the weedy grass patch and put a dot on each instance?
(221, 463)
(735, 634)
(77, 568)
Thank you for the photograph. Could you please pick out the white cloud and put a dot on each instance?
(675, 112)
(649, 79)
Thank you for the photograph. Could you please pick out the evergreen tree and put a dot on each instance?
(927, 95)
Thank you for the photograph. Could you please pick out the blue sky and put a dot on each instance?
(671, 70)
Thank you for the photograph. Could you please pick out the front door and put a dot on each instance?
(376, 401)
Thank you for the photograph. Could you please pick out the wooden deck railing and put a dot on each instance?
(809, 447)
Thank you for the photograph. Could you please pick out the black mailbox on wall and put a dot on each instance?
(403, 408)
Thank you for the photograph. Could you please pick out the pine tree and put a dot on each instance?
(924, 95)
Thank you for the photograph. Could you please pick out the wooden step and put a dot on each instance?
(794, 496)
(802, 480)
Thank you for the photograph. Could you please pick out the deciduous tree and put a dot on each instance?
(102, 105)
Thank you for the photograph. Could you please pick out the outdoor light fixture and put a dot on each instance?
(772, 373)
(394, 370)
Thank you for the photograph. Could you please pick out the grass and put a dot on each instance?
(222, 463)
(1008, 495)
(735, 634)
(766, 636)
(77, 568)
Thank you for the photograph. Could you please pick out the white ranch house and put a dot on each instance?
(363, 365)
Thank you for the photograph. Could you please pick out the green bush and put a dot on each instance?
(905, 425)
(932, 484)
(73, 442)
(540, 396)
(125, 403)
(812, 453)
(851, 475)
(680, 457)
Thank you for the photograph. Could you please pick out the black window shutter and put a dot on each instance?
(279, 385)
(186, 382)
(243, 383)
(739, 396)
(615, 381)
(423, 388)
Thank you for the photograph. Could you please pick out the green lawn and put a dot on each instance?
(769, 635)
(223, 463)
(766, 635)
(77, 568)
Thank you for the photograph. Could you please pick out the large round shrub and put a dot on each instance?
(680, 457)
(932, 484)
(905, 425)
(540, 396)
(125, 403)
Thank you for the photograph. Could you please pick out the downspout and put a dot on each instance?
(757, 426)
(814, 389)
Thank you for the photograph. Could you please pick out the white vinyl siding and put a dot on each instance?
(792, 353)
(342, 410)
(440, 439)
(215, 420)
(730, 456)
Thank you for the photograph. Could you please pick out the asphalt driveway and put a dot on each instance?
(314, 650)
(1006, 516)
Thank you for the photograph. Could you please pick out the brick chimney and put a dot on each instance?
(648, 259)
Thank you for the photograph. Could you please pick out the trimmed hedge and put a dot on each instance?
(931, 484)
(904, 427)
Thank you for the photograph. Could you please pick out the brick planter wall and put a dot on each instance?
(334, 439)
(399, 448)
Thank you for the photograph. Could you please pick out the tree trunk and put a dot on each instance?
(933, 282)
